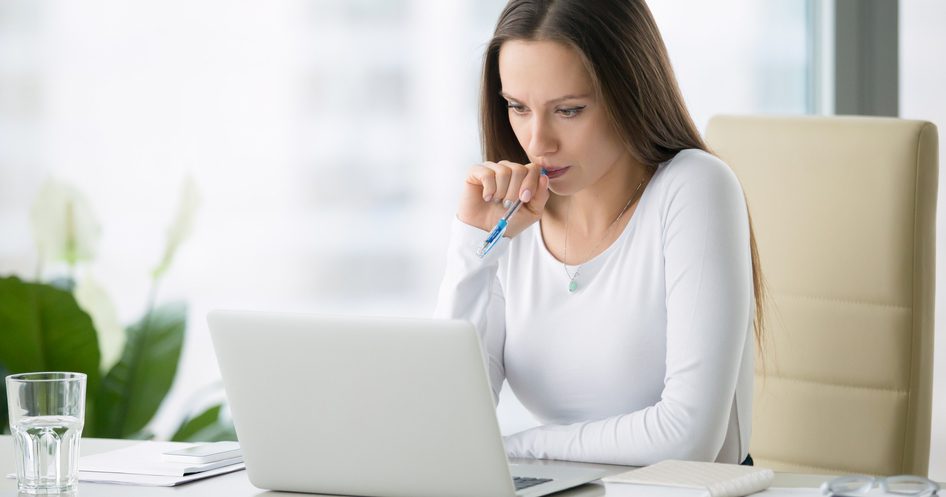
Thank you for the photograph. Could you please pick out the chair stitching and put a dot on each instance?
(836, 385)
(844, 301)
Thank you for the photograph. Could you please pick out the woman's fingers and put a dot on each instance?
(530, 183)
(485, 177)
(506, 181)
(541, 197)
(504, 176)
(515, 174)
(491, 183)
(502, 181)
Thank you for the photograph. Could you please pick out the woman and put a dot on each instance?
(620, 305)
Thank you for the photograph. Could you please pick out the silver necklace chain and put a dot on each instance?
(572, 284)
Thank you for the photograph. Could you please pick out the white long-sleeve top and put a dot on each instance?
(652, 357)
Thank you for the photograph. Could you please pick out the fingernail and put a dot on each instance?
(526, 196)
(488, 198)
(506, 203)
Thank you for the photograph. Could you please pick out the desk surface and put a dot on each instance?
(237, 484)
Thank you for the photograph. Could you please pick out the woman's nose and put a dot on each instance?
(542, 141)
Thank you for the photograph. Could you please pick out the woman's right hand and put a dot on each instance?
(490, 183)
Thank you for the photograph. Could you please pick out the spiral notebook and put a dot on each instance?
(705, 478)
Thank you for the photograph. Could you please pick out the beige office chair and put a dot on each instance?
(844, 214)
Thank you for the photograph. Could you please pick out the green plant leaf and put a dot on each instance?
(42, 328)
(220, 431)
(134, 388)
(141, 435)
(205, 427)
(193, 425)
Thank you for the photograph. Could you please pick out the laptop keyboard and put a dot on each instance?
(522, 482)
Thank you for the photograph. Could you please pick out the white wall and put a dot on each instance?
(923, 96)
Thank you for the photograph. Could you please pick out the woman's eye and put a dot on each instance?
(517, 108)
(570, 111)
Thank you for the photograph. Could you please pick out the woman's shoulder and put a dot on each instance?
(697, 172)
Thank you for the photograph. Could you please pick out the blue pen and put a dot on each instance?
(497, 234)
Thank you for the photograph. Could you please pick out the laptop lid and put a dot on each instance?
(361, 405)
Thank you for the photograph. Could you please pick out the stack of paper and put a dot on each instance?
(142, 464)
(705, 478)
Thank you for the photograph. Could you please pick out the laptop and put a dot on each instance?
(369, 406)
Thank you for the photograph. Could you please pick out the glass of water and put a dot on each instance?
(46, 416)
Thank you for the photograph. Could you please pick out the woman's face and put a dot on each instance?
(557, 118)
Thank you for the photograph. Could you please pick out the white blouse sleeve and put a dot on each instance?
(709, 310)
(471, 290)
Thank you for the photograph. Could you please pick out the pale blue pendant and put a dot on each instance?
(572, 286)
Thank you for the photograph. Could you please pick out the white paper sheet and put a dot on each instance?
(145, 459)
(153, 480)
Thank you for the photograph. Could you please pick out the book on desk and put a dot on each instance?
(704, 478)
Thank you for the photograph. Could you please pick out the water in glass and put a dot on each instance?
(47, 448)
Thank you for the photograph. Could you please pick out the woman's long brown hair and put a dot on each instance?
(625, 55)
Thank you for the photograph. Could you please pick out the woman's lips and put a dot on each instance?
(554, 173)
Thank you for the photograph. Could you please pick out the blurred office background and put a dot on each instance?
(329, 138)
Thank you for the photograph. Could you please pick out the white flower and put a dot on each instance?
(64, 226)
(93, 299)
(183, 223)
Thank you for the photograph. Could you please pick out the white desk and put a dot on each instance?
(237, 484)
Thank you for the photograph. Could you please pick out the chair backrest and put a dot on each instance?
(844, 215)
